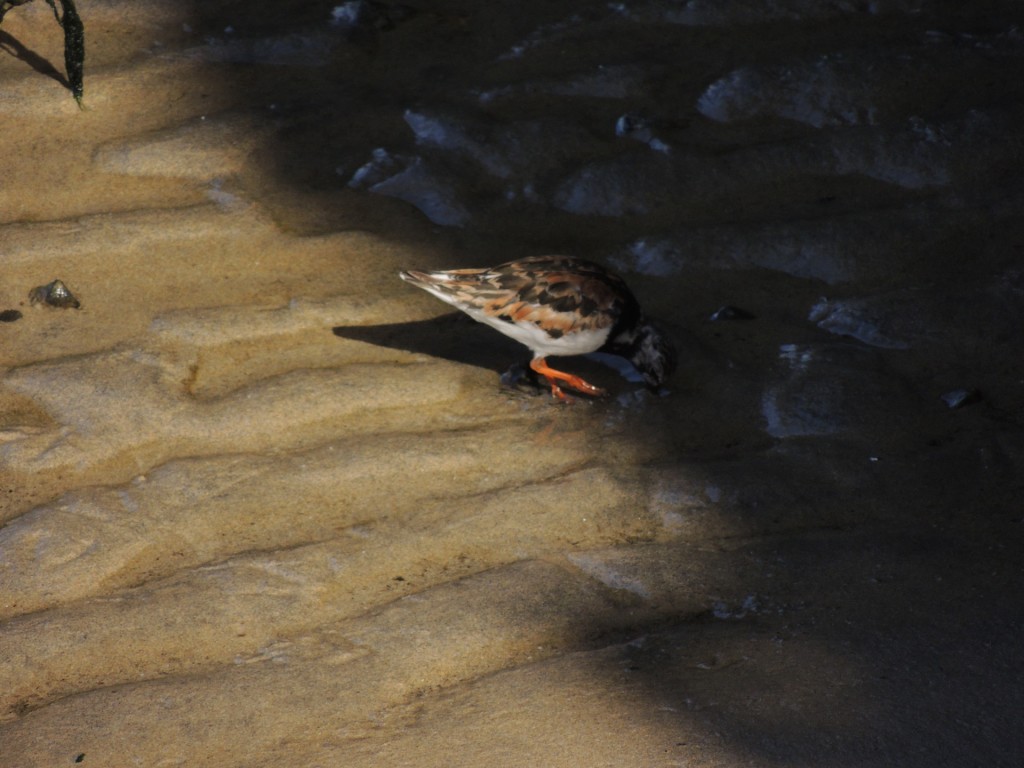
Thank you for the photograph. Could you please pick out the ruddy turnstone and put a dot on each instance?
(557, 305)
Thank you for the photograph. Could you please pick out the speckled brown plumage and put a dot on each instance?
(556, 305)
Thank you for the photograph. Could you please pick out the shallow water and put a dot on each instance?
(262, 503)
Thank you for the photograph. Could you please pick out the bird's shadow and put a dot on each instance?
(454, 337)
(461, 339)
(13, 47)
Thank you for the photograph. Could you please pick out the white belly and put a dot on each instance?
(538, 340)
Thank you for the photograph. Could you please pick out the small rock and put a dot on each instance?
(10, 316)
(56, 294)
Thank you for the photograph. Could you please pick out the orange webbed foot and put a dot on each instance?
(574, 382)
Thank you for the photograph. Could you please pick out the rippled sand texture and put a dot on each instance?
(263, 504)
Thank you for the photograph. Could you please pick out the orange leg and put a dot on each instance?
(539, 365)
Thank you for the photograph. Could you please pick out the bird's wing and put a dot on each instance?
(557, 294)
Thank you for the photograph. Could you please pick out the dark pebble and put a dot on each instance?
(730, 312)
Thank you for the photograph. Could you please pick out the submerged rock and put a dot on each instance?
(857, 87)
(437, 195)
(832, 389)
(955, 318)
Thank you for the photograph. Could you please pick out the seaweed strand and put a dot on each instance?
(74, 45)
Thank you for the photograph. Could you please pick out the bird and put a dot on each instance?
(557, 306)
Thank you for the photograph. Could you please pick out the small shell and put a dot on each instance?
(56, 294)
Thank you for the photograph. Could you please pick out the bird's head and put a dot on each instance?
(654, 356)
(650, 351)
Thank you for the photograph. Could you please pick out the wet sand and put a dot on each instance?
(264, 504)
